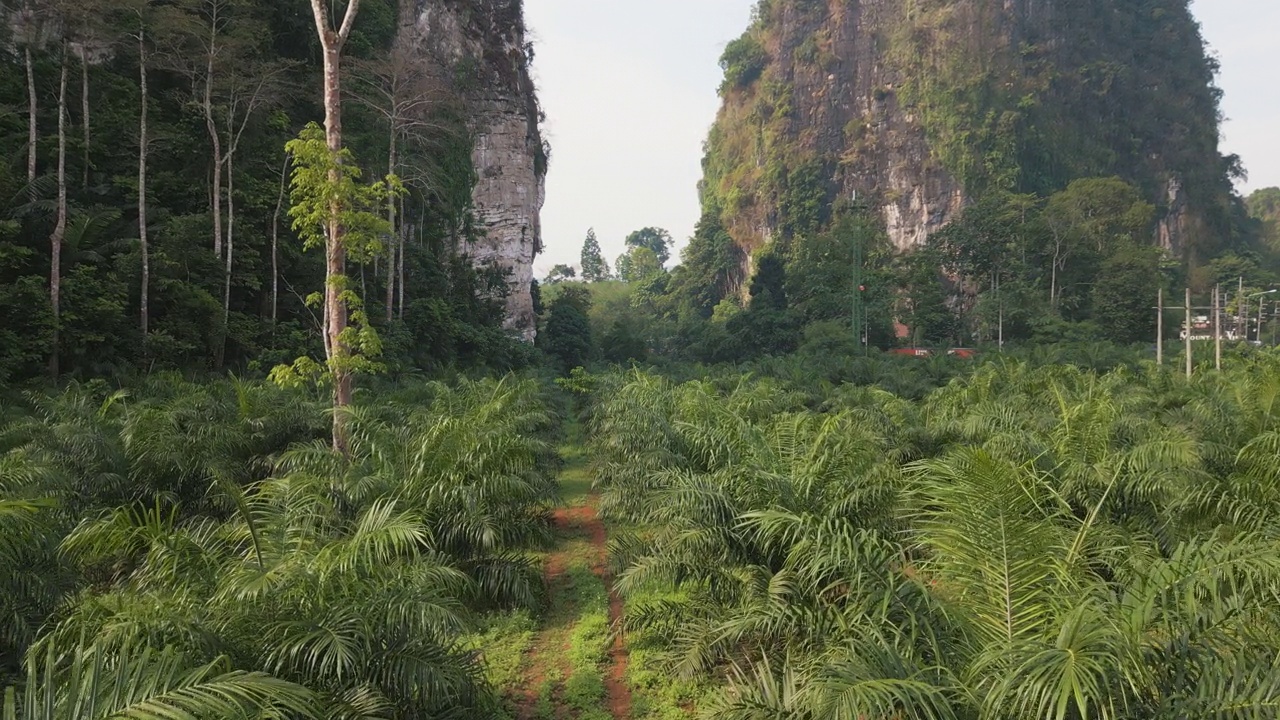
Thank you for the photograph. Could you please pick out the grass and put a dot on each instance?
(656, 694)
(588, 644)
(502, 640)
(566, 651)
(575, 478)
(545, 709)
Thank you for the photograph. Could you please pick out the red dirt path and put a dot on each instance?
(617, 693)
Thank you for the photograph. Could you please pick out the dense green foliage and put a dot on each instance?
(209, 311)
(1264, 207)
(567, 334)
(205, 536)
(1013, 270)
(806, 527)
(1031, 541)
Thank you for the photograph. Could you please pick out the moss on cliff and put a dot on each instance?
(903, 101)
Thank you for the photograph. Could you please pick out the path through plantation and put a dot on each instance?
(575, 665)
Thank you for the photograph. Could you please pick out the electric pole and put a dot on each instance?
(1242, 315)
(1160, 328)
(858, 289)
(1217, 327)
(1190, 364)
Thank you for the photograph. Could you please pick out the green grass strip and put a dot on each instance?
(588, 646)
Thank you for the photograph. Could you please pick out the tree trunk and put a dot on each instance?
(215, 198)
(143, 142)
(231, 250)
(391, 221)
(33, 128)
(60, 227)
(336, 253)
(335, 249)
(403, 235)
(1053, 282)
(275, 242)
(84, 106)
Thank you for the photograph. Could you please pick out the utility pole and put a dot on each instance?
(858, 289)
(1242, 315)
(1217, 327)
(1160, 328)
(1262, 302)
(1190, 364)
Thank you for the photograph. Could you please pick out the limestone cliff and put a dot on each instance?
(914, 108)
(483, 43)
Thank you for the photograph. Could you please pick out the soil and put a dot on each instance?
(548, 654)
(617, 692)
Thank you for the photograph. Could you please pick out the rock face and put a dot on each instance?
(913, 109)
(483, 42)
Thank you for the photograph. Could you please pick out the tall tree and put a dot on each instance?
(89, 33)
(332, 42)
(654, 238)
(567, 337)
(401, 88)
(1122, 291)
(60, 225)
(207, 40)
(144, 140)
(137, 18)
(561, 273)
(1086, 221)
(275, 240)
(594, 267)
(637, 264)
(252, 87)
(31, 16)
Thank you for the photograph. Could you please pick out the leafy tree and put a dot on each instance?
(535, 290)
(567, 335)
(820, 269)
(624, 343)
(708, 268)
(769, 284)
(561, 273)
(655, 239)
(327, 193)
(1264, 203)
(594, 267)
(928, 315)
(638, 264)
(1264, 206)
(743, 62)
(1086, 221)
(1122, 293)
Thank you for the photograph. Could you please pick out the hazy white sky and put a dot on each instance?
(629, 88)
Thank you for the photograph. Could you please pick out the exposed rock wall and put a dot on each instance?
(484, 42)
(883, 157)
(916, 108)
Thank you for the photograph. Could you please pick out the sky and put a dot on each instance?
(629, 89)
